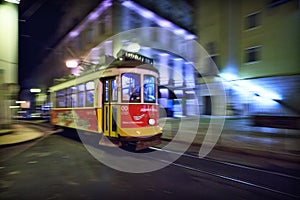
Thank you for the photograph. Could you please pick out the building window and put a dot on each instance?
(108, 24)
(252, 20)
(82, 40)
(102, 24)
(101, 27)
(75, 45)
(253, 54)
(89, 36)
(211, 48)
(135, 20)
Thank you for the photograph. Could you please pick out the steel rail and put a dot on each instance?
(231, 164)
(230, 178)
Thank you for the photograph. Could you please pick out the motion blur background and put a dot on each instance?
(254, 44)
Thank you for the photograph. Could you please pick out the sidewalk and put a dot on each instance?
(238, 135)
(18, 133)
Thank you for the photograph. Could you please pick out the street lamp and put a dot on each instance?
(72, 63)
(13, 1)
(35, 90)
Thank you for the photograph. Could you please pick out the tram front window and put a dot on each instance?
(131, 88)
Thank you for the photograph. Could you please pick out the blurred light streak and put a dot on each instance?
(35, 90)
(245, 86)
(228, 76)
(20, 101)
(14, 106)
(13, 1)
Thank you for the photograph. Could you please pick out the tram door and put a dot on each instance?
(110, 99)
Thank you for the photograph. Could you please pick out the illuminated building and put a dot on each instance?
(8, 59)
(255, 45)
(112, 17)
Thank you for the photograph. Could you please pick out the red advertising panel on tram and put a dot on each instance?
(135, 115)
(85, 119)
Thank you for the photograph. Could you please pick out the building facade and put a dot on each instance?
(8, 60)
(255, 45)
(114, 25)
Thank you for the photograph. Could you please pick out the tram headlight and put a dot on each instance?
(151, 122)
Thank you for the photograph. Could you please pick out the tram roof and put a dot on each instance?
(131, 64)
(115, 64)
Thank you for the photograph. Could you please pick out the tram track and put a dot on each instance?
(232, 164)
(274, 182)
(256, 178)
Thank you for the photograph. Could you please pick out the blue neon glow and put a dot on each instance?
(246, 86)
(228, 76)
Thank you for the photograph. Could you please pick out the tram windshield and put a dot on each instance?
(131, 88)
(131, 85)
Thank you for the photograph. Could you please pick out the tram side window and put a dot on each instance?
(69, 99)
(72, 100)
(149, 89)
(106, 91)
(81, 98)
(61, 99)
(131, 87)
(114, 91)
(89, 93)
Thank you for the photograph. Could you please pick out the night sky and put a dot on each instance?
(38, 23)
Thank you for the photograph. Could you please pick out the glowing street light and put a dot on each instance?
(13, 1)
(35, 90)
(20, 101)
(73, 63)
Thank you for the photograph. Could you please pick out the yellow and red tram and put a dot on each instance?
(119, 101)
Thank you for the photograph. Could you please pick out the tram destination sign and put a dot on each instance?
(125, 55)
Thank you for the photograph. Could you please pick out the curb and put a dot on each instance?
(19, 142)
(6, 131)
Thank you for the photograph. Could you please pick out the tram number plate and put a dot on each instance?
(145, 144)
